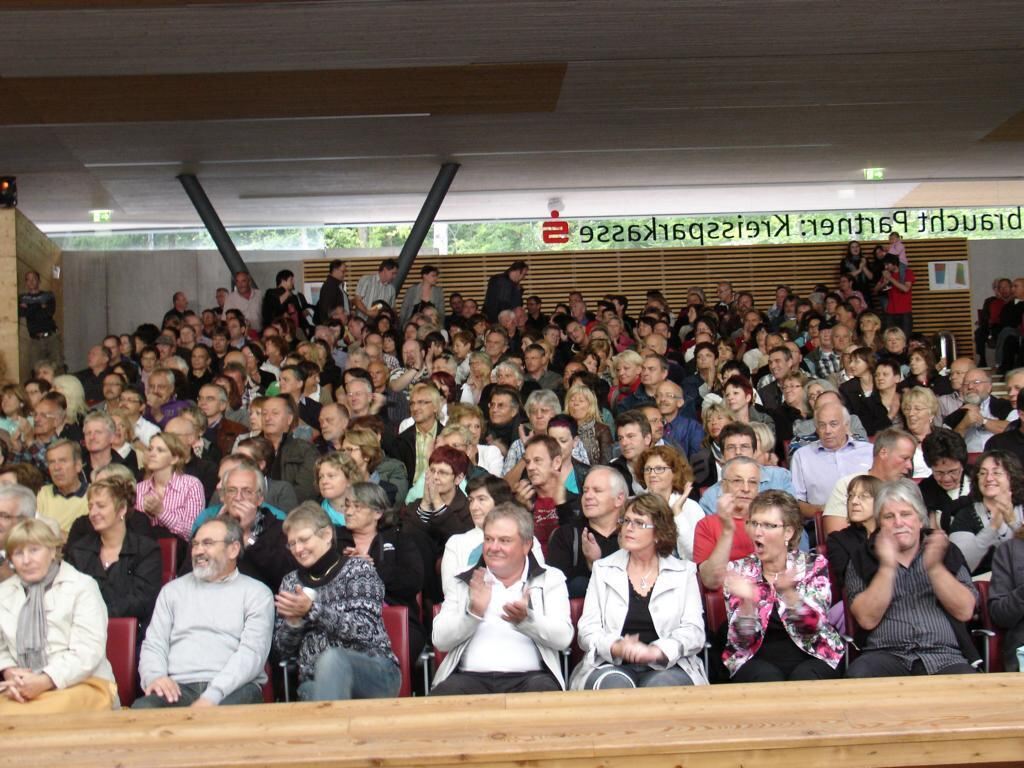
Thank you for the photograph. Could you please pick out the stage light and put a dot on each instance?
(8, 192)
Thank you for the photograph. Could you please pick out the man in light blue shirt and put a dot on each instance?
(739, 440)
(818, 466)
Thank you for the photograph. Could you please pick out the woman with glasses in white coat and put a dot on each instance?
(642, 624)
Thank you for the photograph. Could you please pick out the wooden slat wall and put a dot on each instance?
(756, 268)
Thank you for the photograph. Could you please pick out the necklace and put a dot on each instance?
(318, 579)
(644, 586)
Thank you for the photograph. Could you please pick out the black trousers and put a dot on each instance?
(882, 664)
(470, 683)
(756, 670)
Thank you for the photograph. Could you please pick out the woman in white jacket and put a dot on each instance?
(642, 624)
(53, 631)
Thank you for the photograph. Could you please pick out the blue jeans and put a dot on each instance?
(635, 676)
(342, 673)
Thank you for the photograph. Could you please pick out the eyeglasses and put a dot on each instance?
(301, 541)
(739, 482)
(353, 504)
(656, 470)
(206, 543)
(993, 473)
(976, 382)
(937, 473)
(245, 493)
(632, 522)
(862, 496)
(757, 525)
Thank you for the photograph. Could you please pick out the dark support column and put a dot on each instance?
(435, 197)
(220, 235)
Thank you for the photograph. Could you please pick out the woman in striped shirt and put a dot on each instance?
(168, 496)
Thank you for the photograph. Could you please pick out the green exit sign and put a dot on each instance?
(101, 216)
(874, 174)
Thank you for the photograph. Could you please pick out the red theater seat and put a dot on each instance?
(122, 636)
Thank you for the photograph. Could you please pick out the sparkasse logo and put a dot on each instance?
(554, 231)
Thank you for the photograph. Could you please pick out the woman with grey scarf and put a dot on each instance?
(53, 631)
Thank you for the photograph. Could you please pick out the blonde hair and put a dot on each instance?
(368, 443)
(308, 514)
(714, 409)
(32, 531)
(121, 490)
(593, 411)
(178, 449)
(123, 420)
(920, 396)
(765, 436)
(71, 388)
(629, 356)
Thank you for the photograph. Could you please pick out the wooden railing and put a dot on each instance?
(911, 721)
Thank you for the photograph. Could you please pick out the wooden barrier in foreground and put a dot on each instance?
(971, 720)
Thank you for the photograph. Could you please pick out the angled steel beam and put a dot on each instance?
(435, 197)
(214, 226)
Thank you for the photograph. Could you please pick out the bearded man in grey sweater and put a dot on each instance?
(210, 635)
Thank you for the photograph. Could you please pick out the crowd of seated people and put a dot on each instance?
(809, 467)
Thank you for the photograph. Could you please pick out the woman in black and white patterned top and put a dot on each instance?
(329, 612)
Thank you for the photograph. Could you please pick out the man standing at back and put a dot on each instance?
(247, 299)
(38, 308)
(504, 290)
(333, 293)
(376, 287)
(209, 638)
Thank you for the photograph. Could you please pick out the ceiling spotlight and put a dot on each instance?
(8, 192)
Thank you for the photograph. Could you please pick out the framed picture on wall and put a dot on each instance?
(312, 292)
(949, 276)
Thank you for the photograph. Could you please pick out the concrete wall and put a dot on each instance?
(116, 291)
(22, 248)
(991, 259)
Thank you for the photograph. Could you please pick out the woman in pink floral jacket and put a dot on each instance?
(776, 600)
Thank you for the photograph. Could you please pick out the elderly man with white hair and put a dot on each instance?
(910, 593)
